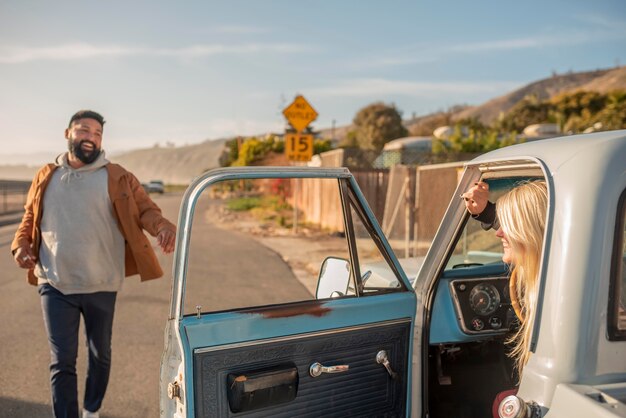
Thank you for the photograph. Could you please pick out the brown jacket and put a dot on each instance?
(133, 209)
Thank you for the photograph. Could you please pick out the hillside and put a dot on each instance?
(612, 80)
(172, 165)
(600, 81)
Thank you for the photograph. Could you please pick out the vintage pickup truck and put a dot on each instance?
(362, 339)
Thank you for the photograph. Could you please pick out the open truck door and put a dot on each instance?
(337, 345)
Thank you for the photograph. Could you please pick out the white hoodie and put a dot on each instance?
(82, 248)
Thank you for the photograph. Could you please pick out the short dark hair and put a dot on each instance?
(87, 114)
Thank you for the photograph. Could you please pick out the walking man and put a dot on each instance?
(81, 234)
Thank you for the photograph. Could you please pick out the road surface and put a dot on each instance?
(142, 309)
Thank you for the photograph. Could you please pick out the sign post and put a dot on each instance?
(298, 146)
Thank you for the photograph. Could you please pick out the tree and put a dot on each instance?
(377, 124)
(349, 141)
(230, 153)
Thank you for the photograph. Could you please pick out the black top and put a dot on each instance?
(487, 218)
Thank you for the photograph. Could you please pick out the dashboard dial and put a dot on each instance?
(484, 299)
(495, 322)
(478, 324)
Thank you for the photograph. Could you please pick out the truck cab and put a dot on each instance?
(363, 339)
(578, 361)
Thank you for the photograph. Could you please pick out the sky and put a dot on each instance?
(182, 72)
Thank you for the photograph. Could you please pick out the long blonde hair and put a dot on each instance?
(522, 216)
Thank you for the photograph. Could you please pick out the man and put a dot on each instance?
(81, 234)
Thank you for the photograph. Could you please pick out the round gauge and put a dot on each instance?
(495, 322)
(484, 299)
(478, 324)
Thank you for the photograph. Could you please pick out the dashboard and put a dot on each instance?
(472, 304)
(483, 305)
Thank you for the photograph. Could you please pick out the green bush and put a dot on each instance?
(253, 149)
(471, 136)
(573, 112)
(240, 204)
(321, 145)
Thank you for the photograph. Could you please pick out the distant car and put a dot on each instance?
(154, 186)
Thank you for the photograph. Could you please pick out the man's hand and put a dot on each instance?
(476, 198)
(166, 239)
(24, 258)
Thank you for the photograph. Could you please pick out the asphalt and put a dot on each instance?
(10, 218)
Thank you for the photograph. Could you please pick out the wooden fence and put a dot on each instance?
(319, 203)
(409, 202)
(374, 184)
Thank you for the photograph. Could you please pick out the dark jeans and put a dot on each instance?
(62, 316)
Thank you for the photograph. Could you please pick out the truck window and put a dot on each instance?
(617, 294)
(260, 242)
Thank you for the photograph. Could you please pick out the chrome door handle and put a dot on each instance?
(317, 369)
(381, 358)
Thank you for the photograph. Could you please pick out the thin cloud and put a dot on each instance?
(398, 61)
(223, 127)
(608, 23)
(503, 45)
(423, 54)
(604, 29)
(76, 51)
(382, 87)
(574, 38)
(240, 29)
(595, 28)
(198, 51)
(16, 55)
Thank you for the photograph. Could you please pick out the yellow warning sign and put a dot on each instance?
(298, 147)
(300, 113)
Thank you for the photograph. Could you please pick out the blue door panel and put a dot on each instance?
(365, 389)
(225, 328)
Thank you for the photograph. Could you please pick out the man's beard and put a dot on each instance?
(77, 151)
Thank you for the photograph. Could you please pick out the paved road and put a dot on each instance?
(141, 312)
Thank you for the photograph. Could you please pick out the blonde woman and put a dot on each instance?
(519, 219)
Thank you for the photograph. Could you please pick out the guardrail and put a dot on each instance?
(12, 199)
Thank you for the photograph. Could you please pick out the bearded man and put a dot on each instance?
(81, 234)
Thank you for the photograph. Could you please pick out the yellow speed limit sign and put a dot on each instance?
(299, 147)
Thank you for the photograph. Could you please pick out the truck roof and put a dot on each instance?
(556, 152)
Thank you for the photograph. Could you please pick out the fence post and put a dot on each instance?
(295, 206)
(416, 208)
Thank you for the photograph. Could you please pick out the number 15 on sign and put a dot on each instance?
(299, 147)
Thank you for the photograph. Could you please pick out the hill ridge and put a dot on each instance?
(547, 88)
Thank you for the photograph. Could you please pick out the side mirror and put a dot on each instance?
(334, 278)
